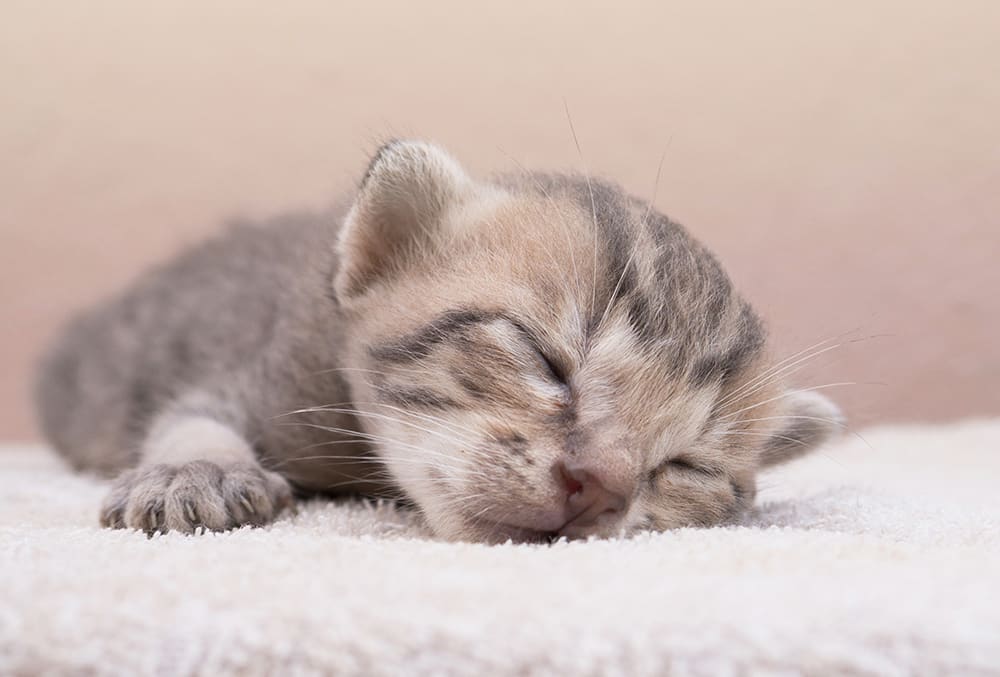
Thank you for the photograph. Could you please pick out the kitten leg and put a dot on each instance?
(194, 471)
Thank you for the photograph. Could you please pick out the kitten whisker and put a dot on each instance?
(428, 417)
(793, 392)
(381, 439)
(773, 373)
(822, 419)
(384, 417)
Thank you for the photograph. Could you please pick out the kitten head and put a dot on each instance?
(544, 354)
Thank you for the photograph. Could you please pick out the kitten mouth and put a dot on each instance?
(578, 526)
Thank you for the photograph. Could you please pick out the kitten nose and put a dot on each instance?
(588, 496)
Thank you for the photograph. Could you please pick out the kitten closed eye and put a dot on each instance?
(554, 369)
(686, 464)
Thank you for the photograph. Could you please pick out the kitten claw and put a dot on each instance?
(245, 501)
(153, 519)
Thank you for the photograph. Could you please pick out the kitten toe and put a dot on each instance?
(112, 514)
(245, 492)
(143, 508)
(254, 496)
(194, 499)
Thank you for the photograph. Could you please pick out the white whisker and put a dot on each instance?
(593, 204)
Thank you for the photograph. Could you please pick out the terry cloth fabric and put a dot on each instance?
(876, 556)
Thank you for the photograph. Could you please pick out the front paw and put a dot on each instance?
(195, 494)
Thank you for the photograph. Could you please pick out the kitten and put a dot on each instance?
(531, 356)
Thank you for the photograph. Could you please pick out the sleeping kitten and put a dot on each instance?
(531, 356)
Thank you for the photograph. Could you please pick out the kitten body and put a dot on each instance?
(241, 330)
(521, 357)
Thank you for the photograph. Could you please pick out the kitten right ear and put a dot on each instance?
(408, 188)
(810, 419)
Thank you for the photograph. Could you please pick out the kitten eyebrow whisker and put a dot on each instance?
(593, 204)
(566, 231)
(635, 249)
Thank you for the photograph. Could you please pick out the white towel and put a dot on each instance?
(875, 556)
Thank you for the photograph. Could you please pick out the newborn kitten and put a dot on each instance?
(530, 356)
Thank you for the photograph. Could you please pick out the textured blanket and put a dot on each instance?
(878, 555)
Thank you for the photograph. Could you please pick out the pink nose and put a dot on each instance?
(588, 496)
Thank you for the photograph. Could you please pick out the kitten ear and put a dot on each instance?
(810, 420)
(408, 188)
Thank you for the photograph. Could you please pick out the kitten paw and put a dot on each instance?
(195, 494)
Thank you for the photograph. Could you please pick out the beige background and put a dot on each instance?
(842, 158)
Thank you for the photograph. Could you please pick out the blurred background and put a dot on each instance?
(843, 159)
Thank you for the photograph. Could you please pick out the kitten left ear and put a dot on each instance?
(399, 211)
(809, 420)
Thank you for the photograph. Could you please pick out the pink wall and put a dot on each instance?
(842, 158)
